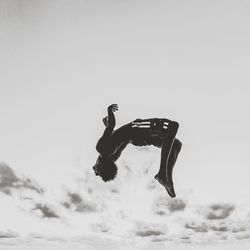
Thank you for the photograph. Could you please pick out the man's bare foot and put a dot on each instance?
(168, 186)
(161, 180)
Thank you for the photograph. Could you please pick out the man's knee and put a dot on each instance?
(177, 144)
(174, 126)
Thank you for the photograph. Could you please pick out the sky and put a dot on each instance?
(63, 62)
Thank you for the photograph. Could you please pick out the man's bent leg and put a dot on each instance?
(176, 148)
(167, 143)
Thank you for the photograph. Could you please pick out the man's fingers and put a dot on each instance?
(113, 107)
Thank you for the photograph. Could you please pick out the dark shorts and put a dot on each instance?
(144, 132)
(154, 126)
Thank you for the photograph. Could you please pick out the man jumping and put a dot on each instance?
(141, 132)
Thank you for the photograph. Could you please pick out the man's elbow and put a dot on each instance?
(111, 125)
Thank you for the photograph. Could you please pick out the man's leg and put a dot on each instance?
(167, 144)
(176, 148)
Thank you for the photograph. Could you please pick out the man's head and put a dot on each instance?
(105, 168)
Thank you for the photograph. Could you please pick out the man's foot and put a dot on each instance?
(161, 180)
(168, 186)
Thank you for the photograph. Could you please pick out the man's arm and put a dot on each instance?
(110, 120)
(105, 121)
(118, 152)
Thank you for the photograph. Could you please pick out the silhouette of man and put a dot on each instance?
(141, 132)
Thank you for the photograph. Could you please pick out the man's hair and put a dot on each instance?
(107, 169)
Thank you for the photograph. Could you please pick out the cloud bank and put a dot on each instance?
(132, 207)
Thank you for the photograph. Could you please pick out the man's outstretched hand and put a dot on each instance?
(113, 107)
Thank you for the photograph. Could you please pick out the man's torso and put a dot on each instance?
(141, 132)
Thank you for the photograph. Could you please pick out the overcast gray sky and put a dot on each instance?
(63, 62)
